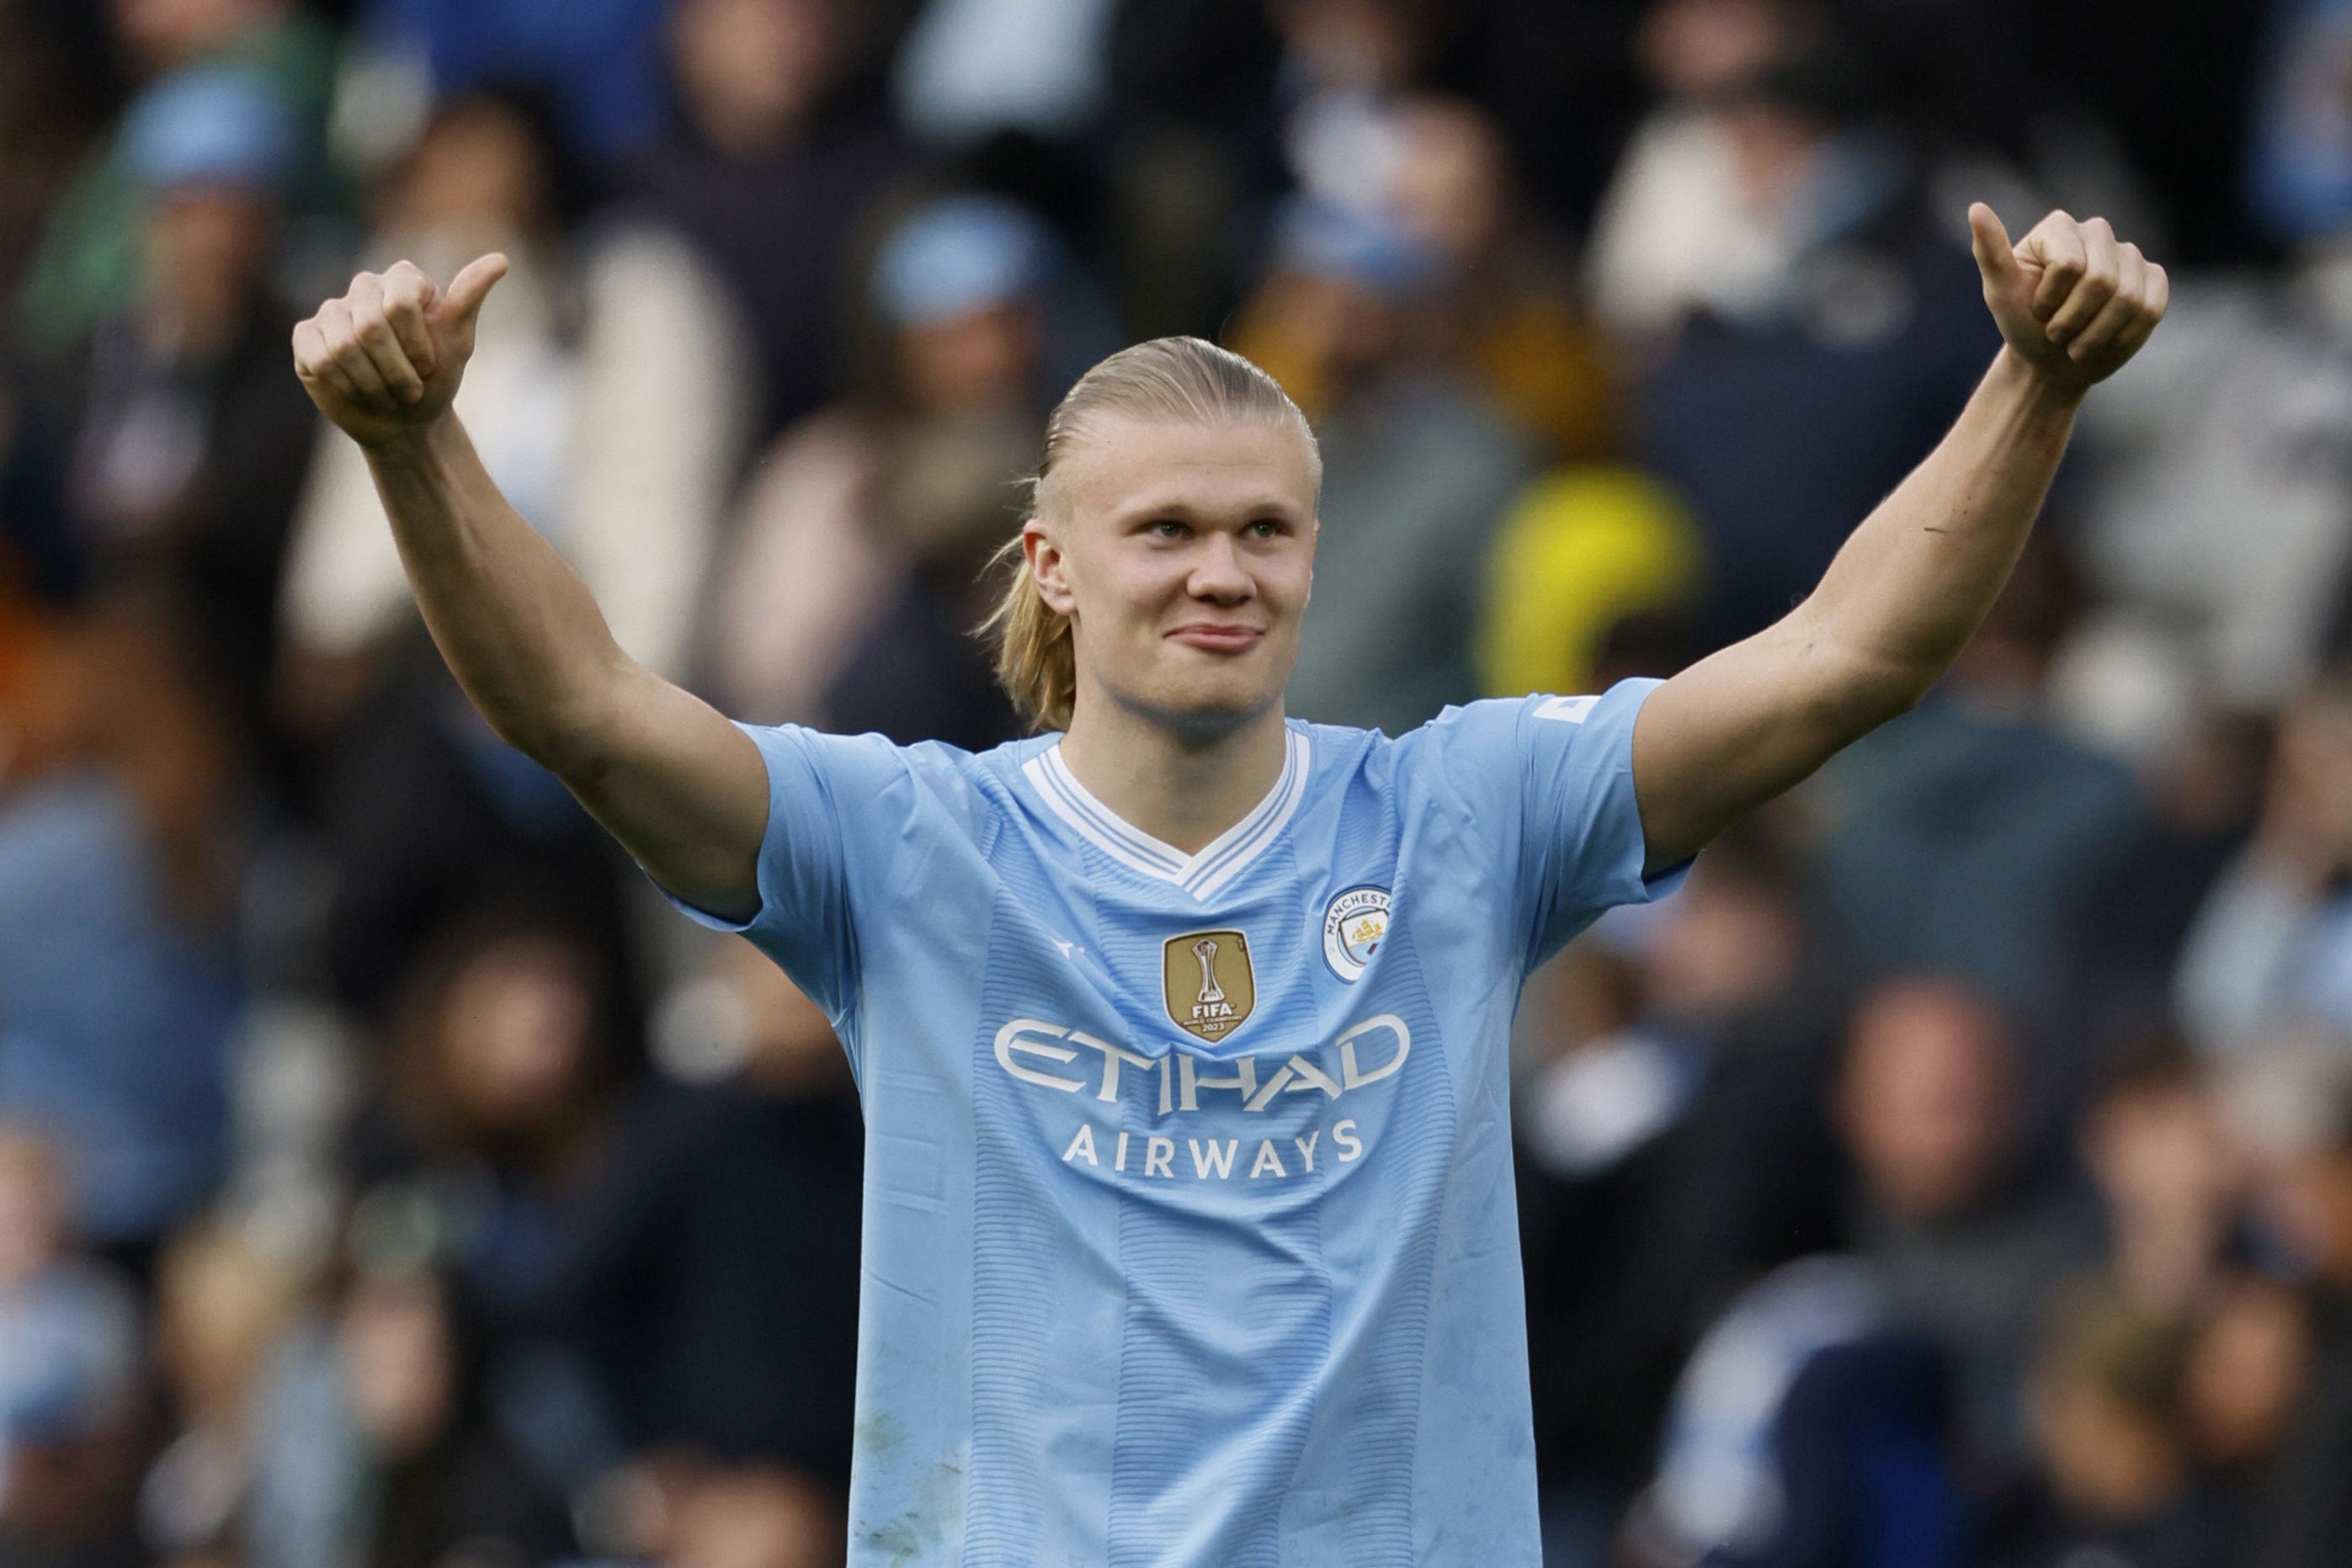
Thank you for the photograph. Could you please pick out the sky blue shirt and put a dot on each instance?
(1190, 1235)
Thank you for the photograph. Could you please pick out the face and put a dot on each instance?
(749, 70)
(1926, 1097)
(477, 169)
(515, 1040)
(32, 1206)
(1182, 555)
(399, 1368)
(979, 359)
(1449, 183)
(206, 244)
(2247, 1368)
(160, 34)
(2160, 1153)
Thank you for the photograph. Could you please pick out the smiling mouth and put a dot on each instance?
(1219, 639)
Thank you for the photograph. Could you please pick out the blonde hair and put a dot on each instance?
(1176, 379)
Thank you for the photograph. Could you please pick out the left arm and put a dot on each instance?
(1907, 590)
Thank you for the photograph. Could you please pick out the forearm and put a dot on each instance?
(1912, 583)
(516, 625)
(1891, 614)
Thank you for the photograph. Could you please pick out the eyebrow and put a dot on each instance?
(1174, 507)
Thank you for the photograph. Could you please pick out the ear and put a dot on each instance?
(1046, 566)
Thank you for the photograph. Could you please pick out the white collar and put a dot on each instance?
(1200, 874)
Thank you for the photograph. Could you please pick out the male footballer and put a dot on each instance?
(1180, 1026)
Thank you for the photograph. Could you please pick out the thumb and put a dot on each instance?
(466, 291)
(1990, 241)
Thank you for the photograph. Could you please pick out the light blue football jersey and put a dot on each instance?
(1190, 1235)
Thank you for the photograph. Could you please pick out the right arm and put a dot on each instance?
(684, 791)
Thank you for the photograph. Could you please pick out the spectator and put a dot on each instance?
(2114, 1437)
(2300, 154)
(1345, 66)
(1505, 319)
(639, 1292)
(2217, 533)
(72, 1412)
(1784, 419)
(1672, 1145)
(1811, 1427)
(2155, 1143)
(1416, 466)
(2272, 945)
(176, 481)
(599, 61)
(606, 394)
(2293, 1109)
(1969, 1238)
(773, 138)
(972, 69)
(376, 1439)
(1583, 551)
(224, 1303)
(92, 260)
(2124, 921)
(118, 854)
(856, 572)
(1953, 837)
(2246, 1376)
(608, 403)
(1679, 230)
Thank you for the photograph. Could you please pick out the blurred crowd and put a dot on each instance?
(1959, 1171)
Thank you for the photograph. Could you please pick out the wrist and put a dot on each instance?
(2051, 387)
(410, 444)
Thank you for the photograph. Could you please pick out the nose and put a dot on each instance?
(1219, 573)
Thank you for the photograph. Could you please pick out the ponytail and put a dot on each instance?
(1036, 664)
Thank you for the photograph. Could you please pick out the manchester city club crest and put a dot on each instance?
(1208, 983)
(1354, 925)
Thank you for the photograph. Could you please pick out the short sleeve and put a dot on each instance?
(1556, 774)
(806, 921)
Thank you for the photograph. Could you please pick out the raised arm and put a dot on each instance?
(683, 790)
(1909, 587)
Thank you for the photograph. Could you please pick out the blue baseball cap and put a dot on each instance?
(959, 256)
(211, 125)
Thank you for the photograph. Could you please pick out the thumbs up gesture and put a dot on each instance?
(2071, 299)
(385, 359)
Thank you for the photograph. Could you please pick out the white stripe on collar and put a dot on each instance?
(1200, 874)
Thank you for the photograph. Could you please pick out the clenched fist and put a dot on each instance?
(385, 358)
(2072, 300)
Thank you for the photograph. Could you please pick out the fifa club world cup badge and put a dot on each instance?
(1209, 986)
(1354, 923)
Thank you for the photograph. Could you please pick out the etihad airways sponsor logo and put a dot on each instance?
(1148, 1154)
(1070, 1061)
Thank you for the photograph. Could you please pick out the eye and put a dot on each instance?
(1166, 529)
(1267, 528)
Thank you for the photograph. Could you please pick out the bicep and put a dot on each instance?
(683, 790)
(1741, 726)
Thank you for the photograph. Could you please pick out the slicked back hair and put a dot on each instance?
(1176, 381)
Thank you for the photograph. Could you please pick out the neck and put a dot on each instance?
(1182, 789)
